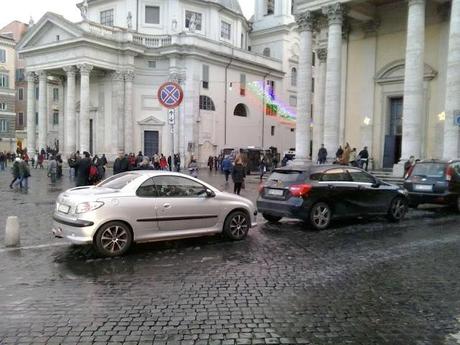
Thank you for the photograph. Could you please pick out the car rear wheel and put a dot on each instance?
(113, 239)
(320, 216)
(270, 218)
(398, 209)
(237, 225)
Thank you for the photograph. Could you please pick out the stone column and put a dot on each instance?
(85, 71)
(413, 107)
(31, 145)
(332, 95)
(117, 111)
(129, 118)
(69, 115)
(452, 101)
(42, 110)
(305, 22)
(318, 102)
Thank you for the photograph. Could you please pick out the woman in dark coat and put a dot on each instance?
(238, 175)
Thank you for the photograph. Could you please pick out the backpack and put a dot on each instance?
(92, 171)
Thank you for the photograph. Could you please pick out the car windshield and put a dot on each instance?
(118, 181)
(433, 170)
(285, 176)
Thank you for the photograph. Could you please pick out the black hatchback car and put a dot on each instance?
(434, 182)
(319, 193)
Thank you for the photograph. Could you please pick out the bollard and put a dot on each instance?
(12, 232)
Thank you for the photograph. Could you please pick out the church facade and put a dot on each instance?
(388, 77)
(108, 68)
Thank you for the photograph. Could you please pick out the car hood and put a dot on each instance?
(233, 197)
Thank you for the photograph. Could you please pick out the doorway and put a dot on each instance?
(393, 138)
(151, 143)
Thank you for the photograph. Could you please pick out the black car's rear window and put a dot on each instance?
(286, 176)
(433, 170)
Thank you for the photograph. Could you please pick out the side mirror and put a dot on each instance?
(210, 193)
(377, 183)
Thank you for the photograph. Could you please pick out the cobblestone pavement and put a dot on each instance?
(361, 282)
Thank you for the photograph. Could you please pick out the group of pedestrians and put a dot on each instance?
(21, 173)
(346, 156)
(126, 162)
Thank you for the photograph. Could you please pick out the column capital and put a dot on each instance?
(129, 76)
(117, 75)
(416, 2)
(335, 13)
(85, 68)
(42, 74)
(321, 54)
(70, 70)
(31, 76)
(306, 21)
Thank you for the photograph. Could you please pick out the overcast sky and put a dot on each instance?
(22, 9)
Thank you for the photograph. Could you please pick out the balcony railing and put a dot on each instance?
(123, 35)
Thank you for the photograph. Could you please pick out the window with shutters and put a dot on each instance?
(294, 76)
(4, 80)
(242, 84)
(20, 76)
(272, 131)
(2, 55)
(3, 106)
(106, 17)
(205, 77)
(20, 119)
(55, 94)
(21, 94)
(56, 117)
(4, 126)
(152, 15)
(206, 103)
(225, 30)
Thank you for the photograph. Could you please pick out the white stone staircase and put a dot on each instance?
(387, 176)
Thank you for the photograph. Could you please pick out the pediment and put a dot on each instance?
(151, 121)
(47, 29)
(394, 72)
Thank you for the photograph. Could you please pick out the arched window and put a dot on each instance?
(206, 103)
(294, 76)
(266, 52)
(241, 110)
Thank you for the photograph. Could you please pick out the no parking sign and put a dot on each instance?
(170, 95)
(457, 117)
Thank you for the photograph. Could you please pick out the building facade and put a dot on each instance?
(7, 93)
(388, 76)
(109, 66)
(16, 30)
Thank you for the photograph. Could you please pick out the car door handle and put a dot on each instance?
(330, 186)
(360, 187)
(166, 205)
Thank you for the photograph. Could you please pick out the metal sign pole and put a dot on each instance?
(172, 121)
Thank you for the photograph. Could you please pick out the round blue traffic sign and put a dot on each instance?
(170, 95)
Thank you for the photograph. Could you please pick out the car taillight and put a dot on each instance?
(300, 190)
(261, 188)
(449, 173)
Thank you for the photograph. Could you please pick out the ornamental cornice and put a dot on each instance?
(335, 13)
(85, 69)
(42, 75)
(321, 54)
(306, 21)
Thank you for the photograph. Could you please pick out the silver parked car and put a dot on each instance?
(144, 206)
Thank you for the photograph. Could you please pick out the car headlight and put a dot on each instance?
(88, 206)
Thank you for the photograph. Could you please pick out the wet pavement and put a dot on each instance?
(362, 282)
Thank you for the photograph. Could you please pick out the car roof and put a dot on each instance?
(313, 167)
(438, 161)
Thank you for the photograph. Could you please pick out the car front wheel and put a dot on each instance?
(398, 209)
(457, 204)
(270, 218)
(113, 239)
(320, 216)
(237, 225)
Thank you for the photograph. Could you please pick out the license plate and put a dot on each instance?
(277, 192)
(424, 187)
(63, 208)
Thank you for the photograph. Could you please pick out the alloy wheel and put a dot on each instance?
(239, 226)
(114, 239)
(321, 216)
(398, 209)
